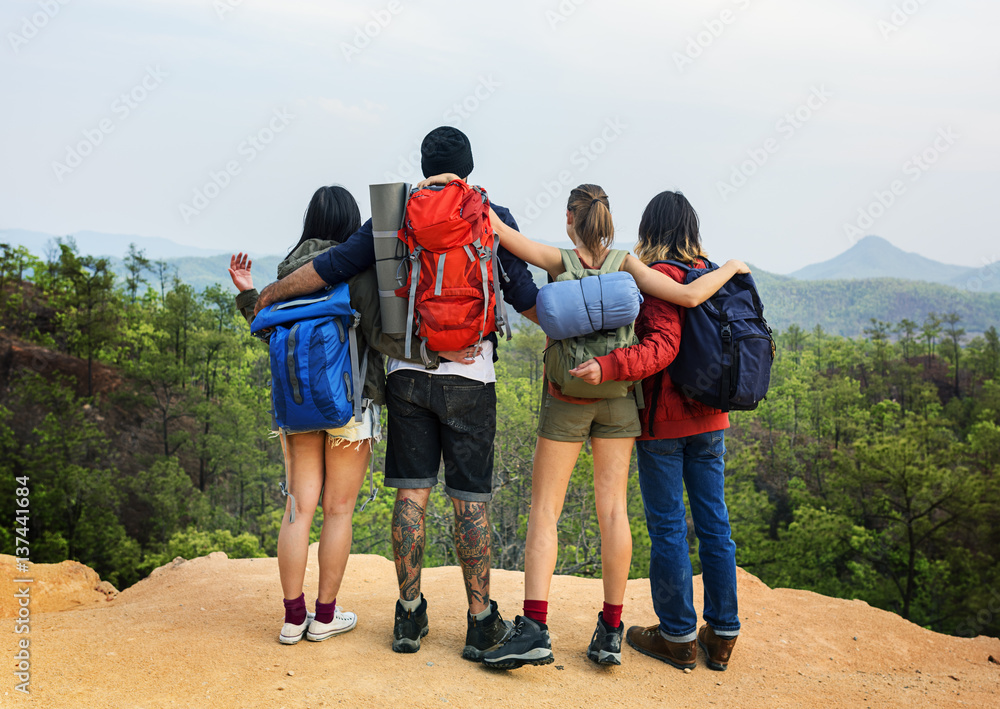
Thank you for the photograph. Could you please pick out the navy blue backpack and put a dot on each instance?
(316, 380)
(726, 349)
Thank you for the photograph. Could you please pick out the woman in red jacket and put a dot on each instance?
(682, 445)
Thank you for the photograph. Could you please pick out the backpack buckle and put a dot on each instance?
(727, 332)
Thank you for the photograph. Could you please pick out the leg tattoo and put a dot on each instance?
(408, 546)
(472, 543)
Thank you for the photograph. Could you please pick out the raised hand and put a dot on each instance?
(239, 271)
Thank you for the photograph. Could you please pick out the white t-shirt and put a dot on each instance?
(481, 370)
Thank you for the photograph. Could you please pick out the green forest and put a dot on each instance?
(137, 410)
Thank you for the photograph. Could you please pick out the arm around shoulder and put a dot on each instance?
(245, 303)
(545, 257)
(300, 282)
(690, 295)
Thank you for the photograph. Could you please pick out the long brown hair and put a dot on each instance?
(592, 217)
(669, 231)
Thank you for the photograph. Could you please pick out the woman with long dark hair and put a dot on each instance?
(329, 462)
(682, 446)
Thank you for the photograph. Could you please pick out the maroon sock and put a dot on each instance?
(612, 615)
(295, 611)
(325, 611)
(536, 610)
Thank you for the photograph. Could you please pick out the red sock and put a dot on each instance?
(325, 611)
(612, 615)
(536, 610)
(295, 611)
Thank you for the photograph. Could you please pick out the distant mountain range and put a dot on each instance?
(872, 279)
(874, 257)
(99, 244)
(846, 307)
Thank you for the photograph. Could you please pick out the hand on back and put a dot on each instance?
(589, 371)
(466, 356)
(239, 271)
(739, 265)
(443, 179)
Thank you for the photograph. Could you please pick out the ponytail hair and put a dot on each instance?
(669, 231)
(592, 217)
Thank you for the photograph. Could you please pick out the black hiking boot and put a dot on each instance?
(410, 627)
(606, 645)
(485, 635)
(528, 644)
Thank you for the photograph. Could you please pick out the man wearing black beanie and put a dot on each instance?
(449, 412)
(445, 150)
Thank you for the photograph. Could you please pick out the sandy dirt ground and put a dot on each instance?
(203, 633)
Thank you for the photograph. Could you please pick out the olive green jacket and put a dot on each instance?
(364, 299)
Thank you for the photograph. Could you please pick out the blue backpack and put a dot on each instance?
(316, 382)
(726, 349)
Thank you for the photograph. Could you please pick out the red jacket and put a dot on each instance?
(659, 328)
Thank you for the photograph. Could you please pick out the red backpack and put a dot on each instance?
(452, 283)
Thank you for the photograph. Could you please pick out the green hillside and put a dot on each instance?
(841, 307)
(201, 272)
(847, 307)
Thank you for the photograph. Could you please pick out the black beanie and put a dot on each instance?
(446, 149)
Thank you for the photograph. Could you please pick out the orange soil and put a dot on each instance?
(203, 633)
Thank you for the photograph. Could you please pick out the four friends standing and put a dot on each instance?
(442, 407)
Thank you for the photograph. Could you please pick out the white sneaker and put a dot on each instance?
(341, 623)
(291, 634)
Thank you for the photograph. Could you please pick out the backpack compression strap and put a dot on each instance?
(414, 279)
(501, 314)
(359, 407)
(371, 476)
(483, 257)
(285, 488)
(358, 373)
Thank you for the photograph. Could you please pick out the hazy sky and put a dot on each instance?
(792, 126)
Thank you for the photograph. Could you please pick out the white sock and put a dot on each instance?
(410, 606)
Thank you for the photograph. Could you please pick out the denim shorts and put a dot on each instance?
(368, 430)
(441, 416)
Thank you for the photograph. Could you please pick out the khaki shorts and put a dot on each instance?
(608, 418)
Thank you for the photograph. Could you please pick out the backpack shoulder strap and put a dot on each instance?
(570, 260)
(679, 264)
(613, 261)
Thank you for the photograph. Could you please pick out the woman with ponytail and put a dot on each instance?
(565, 423)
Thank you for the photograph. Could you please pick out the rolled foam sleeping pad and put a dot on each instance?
(388, 212)
(574, 308)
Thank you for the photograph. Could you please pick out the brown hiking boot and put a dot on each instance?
(648, 641)
(717, 650)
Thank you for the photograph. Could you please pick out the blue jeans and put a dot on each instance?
(666, 467)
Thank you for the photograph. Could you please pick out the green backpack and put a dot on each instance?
(564, 355)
